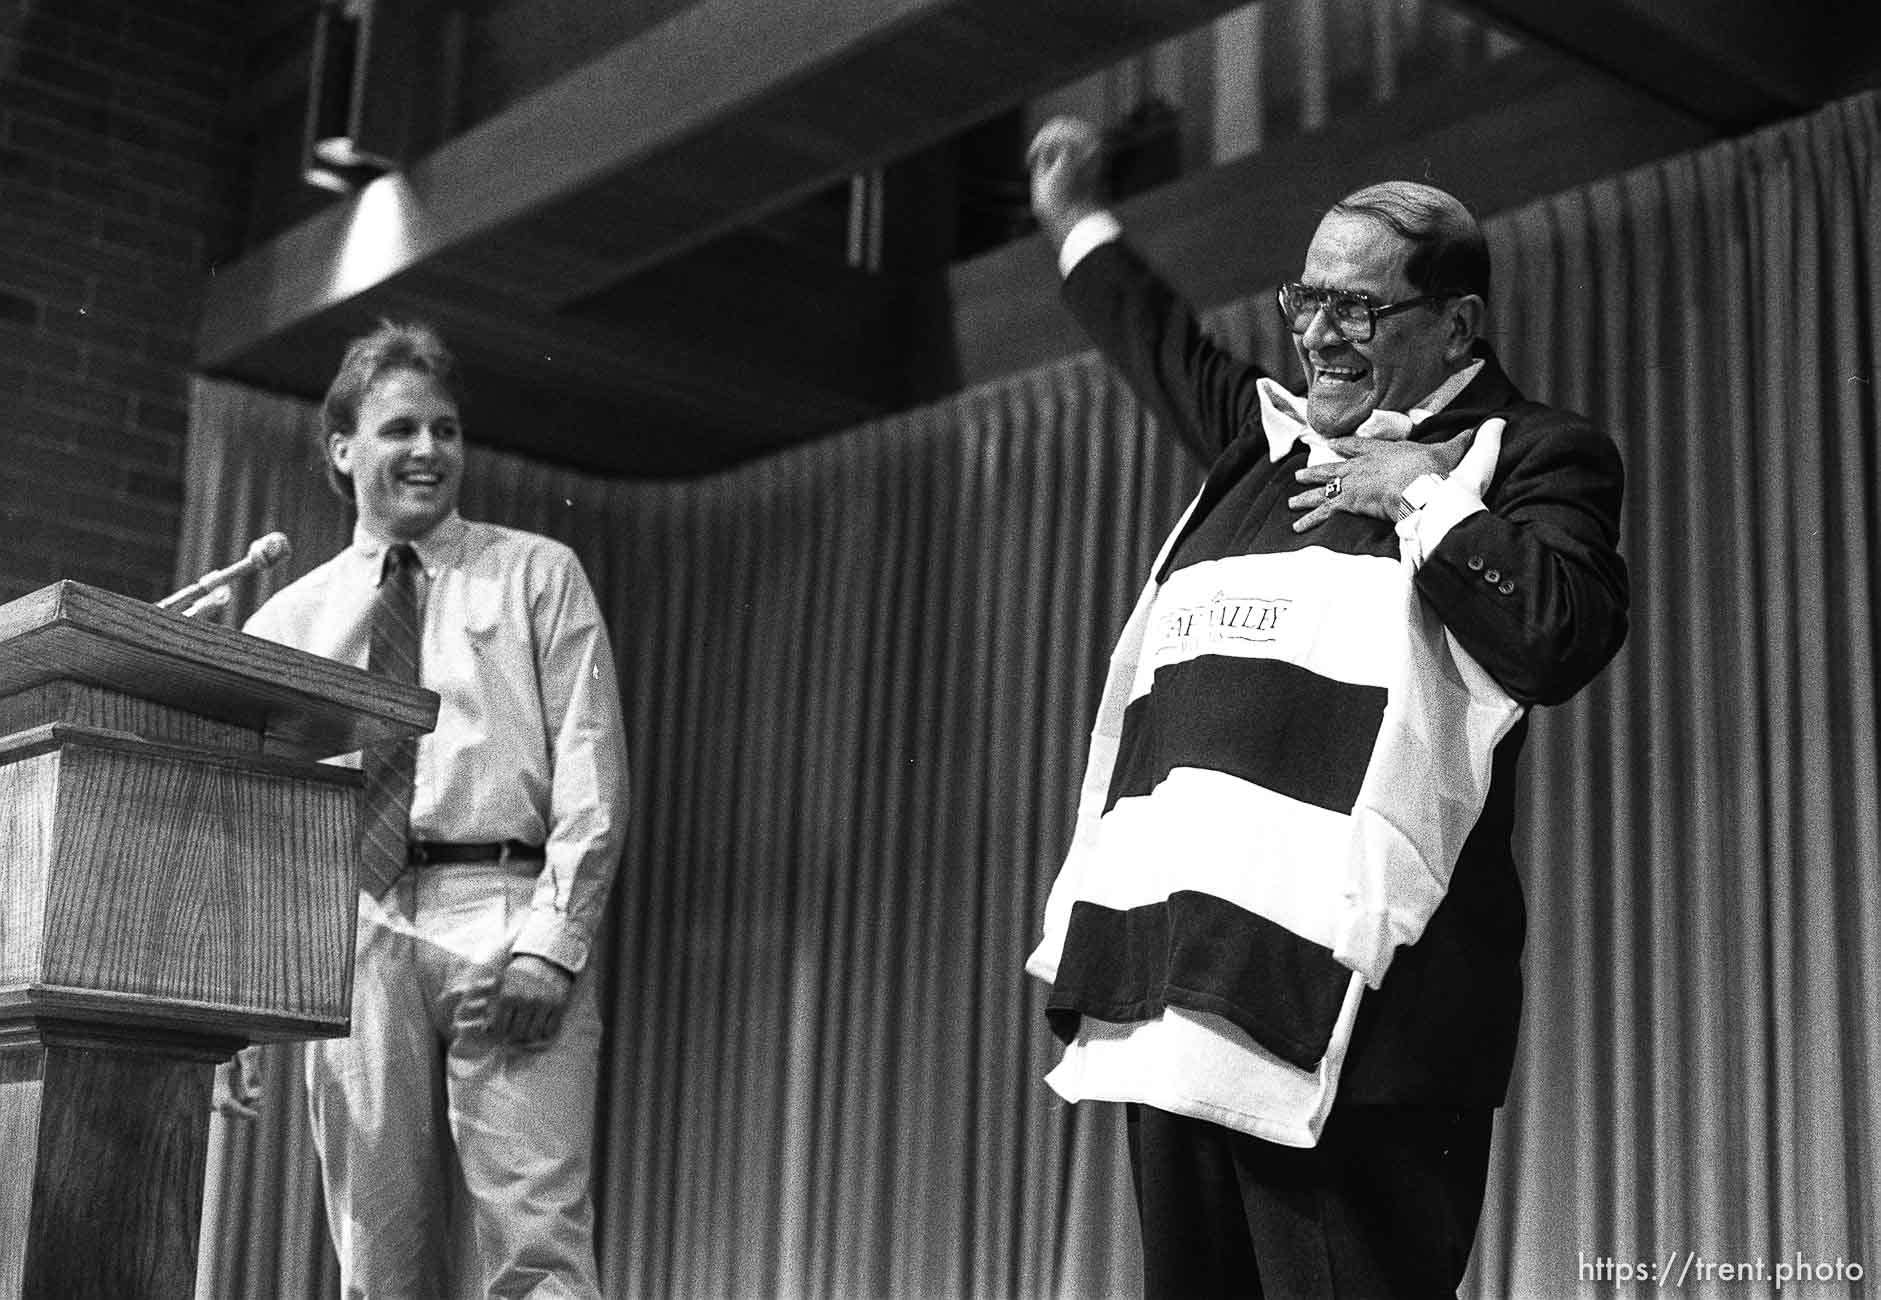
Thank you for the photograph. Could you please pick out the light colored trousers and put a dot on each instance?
(453, 1164)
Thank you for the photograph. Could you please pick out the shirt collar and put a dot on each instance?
(1283, 415)
(443, 545)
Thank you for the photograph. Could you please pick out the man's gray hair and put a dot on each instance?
(1448, 252)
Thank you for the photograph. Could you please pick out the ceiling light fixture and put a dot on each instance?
(334, 154)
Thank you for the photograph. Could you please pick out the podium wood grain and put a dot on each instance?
(296, 703)
(177, 878)
(115, 1141)
(221, 884)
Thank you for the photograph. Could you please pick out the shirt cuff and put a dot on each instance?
(1450, 504)
(1090, 232)
(553, 938)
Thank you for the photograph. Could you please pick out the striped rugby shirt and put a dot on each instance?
(1290, 752)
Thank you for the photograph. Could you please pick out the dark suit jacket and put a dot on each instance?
(1533, 588)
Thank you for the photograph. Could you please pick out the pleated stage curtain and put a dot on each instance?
(858, 679)
(1700, 1078)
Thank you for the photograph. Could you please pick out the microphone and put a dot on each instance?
(217, 599)
(263, 552)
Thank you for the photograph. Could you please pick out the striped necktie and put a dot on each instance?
(391, 769)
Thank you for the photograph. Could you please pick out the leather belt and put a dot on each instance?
(424, 853)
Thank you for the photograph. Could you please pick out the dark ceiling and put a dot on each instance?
(642, 260)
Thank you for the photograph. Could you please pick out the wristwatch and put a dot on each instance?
(1417, 494)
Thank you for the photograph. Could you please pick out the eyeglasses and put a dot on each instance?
(1353, 313)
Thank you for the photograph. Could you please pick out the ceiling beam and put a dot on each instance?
(1737, 64)
(727, 391)
(724, 112)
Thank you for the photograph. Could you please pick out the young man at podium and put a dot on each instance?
(454, 1126)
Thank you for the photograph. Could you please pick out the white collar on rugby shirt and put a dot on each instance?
(1283, 417)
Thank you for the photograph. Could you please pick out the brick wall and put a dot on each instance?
(119, 166)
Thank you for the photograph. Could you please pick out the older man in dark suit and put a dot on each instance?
(1288, 934)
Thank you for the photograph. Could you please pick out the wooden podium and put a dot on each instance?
(176, 881)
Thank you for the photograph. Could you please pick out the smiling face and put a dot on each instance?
(405, 455)
(1409, 354)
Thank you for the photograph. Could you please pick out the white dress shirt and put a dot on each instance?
(529, 742)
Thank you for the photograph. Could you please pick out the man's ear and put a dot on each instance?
(1465, 320)
(340, 453)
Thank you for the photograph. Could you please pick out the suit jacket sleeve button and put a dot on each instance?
(1508, 587)
(1476, 563)
(1492, 576)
